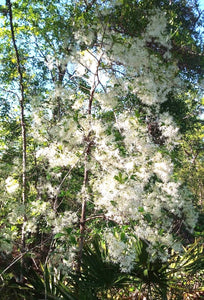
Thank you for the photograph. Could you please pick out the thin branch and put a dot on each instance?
(100, 217)
(89, 144)
(45, 59)
(9, 91)
(15, 260)
(55, 206)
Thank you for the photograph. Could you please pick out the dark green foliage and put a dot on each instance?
(150, 273)
(100, 278)
(97, 271)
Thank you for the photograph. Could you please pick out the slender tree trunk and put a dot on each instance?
(23, 126)
(83, 216)
(84, 194)
(89, 143)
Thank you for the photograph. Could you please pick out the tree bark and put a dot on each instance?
(23, 126)
(89, 143)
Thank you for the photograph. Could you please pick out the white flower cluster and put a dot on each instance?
(88, 62)
(162, 167)
(135, 135)
(12, 185)
(131, 179)
(63, 259)
(30, 226)
(156, 29)
(120, 252)
(107, 101)
(63, 221)
(169, 130)
(120, 184)
(58, 155)
(46, 188)
(153, 88)
(121, 201)
(39, 207)
(153, 78)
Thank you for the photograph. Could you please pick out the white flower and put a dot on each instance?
(162, 167)
(30, 226)
(38, 207)
(120, 252)
(63, 221)
(12, 185)
(58, 155)
(171, 188)
(169, 130)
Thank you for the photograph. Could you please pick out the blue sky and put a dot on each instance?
(201, 4)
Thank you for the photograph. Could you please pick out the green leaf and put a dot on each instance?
(58, 235)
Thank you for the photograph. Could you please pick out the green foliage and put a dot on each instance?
(150, 274)
(47, 285)
(101, 279)
(97, 272)
(187, 271)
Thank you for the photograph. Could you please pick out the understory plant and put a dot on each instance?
(100, 278)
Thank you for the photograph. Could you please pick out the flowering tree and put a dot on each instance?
(99, 82)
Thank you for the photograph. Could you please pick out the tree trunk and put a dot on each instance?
(23, 131)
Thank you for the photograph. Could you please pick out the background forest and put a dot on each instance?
(101, 139)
